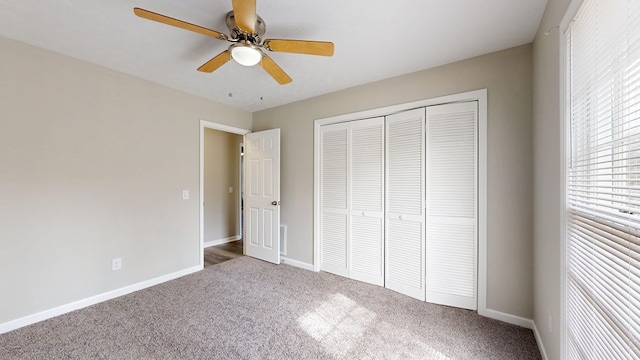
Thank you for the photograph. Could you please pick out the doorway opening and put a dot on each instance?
(221, 192)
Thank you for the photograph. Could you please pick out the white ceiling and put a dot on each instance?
(374, 40)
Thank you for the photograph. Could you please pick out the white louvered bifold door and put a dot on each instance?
(367, 200)
(334, 197)
(451, 240)
(404, 226)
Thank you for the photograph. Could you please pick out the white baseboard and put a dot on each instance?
(543, 352)
(508, 318)
(76, 305)
(296, 263)
(221, 241)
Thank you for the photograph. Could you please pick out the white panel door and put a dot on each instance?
(366, 143)
(405, 197)
(334, 198)
(451, 205)
(262, 195)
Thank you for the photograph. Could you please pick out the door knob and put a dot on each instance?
(274, 203)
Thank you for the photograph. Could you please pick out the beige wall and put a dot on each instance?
(548, 227)
(92, 167)
(508, 77)
(221, 171)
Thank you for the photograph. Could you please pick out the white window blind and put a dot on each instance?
(603, 181)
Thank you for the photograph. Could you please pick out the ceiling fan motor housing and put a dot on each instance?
(237, 34)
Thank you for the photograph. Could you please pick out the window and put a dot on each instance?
(603, 181)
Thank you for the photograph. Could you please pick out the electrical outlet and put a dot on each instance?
(550, 322)
(116, 264)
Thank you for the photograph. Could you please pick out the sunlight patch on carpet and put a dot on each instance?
(341, 325)
(338, 324)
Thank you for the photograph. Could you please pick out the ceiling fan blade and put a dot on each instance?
(323, 48)
(244, 12)
(216, 62)
(274, 70)
(146, 14)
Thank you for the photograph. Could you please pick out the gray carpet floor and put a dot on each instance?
(248, 309)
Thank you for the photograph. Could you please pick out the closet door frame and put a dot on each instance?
(477, 95)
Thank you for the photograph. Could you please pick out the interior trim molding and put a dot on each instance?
(80, 304)
(480, 96)
(508, 318)
(564, 130)
(204, 124)
(543, 352)
(221, 241)
(571, 12)
(296, 263)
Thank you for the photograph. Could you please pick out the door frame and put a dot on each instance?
(204, 124)
(476, 95)
(240, 215)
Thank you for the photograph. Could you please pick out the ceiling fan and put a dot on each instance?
(246, 31)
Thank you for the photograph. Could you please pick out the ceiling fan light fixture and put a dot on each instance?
(245, 54)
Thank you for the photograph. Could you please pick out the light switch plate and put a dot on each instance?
(230, 189)
(185, 194)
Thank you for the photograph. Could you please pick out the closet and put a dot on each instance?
(398, 202)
